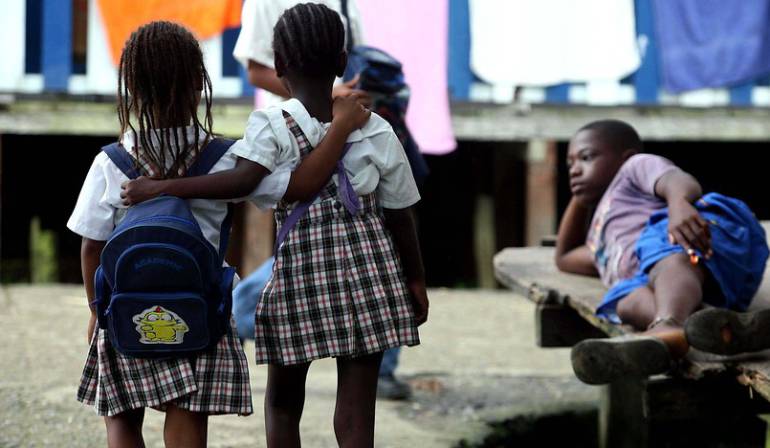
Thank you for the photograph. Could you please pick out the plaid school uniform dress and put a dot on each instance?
(214, 382)
(337, 288)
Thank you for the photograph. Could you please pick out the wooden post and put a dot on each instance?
(622, 421)
(540, 214)
(662, 411)
(558, 325)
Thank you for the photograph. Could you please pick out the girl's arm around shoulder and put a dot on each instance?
(233, 183)
(572, 254)
(256, 155)
(256, 159)
(401, 224)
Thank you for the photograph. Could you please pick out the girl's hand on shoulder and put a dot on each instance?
(349, 112)
(348, 89)
(139, 190)
(419, 298)
(688, 229)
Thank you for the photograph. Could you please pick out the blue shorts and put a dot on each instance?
(739, 247)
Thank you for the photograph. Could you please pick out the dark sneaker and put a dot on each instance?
(389, 388)
(725, 332)
(602, 361)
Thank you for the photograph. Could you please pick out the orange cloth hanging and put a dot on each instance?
(205, 18)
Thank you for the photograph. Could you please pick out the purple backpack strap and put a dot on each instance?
(345, 190)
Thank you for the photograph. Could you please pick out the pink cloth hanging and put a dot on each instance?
(415, 33)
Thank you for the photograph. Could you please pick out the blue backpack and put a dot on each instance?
(161, 288)
(381, 75)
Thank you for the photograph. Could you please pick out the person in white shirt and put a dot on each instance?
(254, 47)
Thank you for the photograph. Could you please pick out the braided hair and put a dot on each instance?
(161, 75)
(309, 39)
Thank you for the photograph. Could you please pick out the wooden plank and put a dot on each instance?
(521, 122)
(531, 272)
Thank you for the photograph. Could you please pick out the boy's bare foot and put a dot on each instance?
(726, 332)
(603, 361)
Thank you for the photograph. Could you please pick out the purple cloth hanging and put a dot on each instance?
(712, 43)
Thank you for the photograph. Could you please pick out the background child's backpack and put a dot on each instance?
(381, 75)
(161, 288)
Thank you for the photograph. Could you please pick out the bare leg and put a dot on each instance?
(184, 428)
(284, 401)
(678, 287)
(356, 396)
(125, 429)
(638, 308)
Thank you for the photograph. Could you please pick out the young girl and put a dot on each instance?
(161, 81)
(339, 288)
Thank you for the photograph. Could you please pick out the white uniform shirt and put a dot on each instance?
(258, 18)
(99, 208)
(376, 161)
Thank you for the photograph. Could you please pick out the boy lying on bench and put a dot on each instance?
(661, 247)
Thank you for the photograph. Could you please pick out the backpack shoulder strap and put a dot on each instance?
(209, 157)
(206, 160)
(122, 159)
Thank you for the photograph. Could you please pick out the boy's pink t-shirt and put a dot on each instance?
(622, 214)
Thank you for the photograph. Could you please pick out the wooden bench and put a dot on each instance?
(709, 399)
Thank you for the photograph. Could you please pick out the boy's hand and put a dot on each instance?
(687, 228)
(139, 190)
(348, 89)
(348, 112)
(419, 300)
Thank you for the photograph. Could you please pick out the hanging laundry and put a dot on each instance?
(415, 33)
(205, 18)
(712, 43)
(548, 42)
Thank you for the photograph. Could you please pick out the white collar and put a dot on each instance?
(314, 130)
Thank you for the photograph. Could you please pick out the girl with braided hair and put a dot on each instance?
(162, 81)
(348, 279)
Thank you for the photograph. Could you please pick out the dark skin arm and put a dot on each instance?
(403, 230)
(309, 177)
(686, 227)
(90, 250)
(572, 254)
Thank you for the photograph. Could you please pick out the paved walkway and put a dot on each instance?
(477, 363)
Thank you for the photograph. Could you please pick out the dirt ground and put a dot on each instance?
(477, 364)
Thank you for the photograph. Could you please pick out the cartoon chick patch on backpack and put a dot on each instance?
(158, 325)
